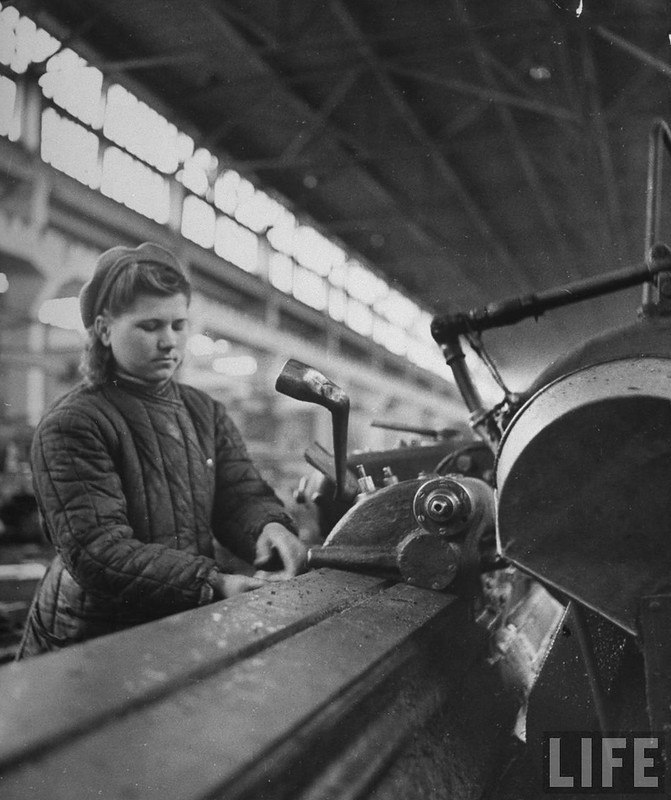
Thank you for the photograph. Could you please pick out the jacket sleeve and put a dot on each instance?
(244, 503)
(80, 496)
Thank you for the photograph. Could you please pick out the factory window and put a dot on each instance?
(391, 336)
(199, 166)
(74, 86)
(337, 305)
(281, 272)
(139, 129)
(22, 42)
(359, 317)
(395, 306)
(258, 211)
(338, 273)
(9, 119)
(70, 148)
(236, 244)
(198, 220)
(309, 288)
(363, 285)
(281, 234)
(226, 191)
(134, 184)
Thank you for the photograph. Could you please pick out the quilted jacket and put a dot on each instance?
(132, 485)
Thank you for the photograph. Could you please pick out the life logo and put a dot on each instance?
(593, 763)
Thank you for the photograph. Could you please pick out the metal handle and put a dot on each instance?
(304, 382)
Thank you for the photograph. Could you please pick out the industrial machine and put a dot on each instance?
(574, 517)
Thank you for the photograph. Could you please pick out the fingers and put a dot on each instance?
(237, 584)
(277, 539)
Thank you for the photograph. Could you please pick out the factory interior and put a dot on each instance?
(361, 187)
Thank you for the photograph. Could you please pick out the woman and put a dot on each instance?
(134, 473)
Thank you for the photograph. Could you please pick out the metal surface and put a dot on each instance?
(328, 685)
(656, 646)
(304, 382)
(582, 477)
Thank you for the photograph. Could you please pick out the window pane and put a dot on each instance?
(74, 86)
(359, 317)
(22, 42)
(236, 244)
(281, 272)
(363, 284)
(258, 212)
(312, 250)
(281, 235)
(140, 130)
(337, 304)
(135, 185)
(9, 120)
(70, 148)
(309, 288)
(198, 221)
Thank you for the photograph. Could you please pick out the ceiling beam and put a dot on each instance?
(518, 273)
(416, 225)
(321, 118)
(637, 52)
(520, 149)
(599, 130)
(486, 93)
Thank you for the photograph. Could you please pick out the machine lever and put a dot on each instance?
(303, 382)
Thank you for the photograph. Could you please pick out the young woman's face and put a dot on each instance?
(148, 340)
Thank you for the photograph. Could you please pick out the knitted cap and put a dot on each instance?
(110, 265)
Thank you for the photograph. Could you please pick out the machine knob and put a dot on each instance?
(442, 505)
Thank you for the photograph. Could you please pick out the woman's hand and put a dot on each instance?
(227, 584)
(274, 540)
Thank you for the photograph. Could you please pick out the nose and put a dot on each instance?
(167, 340)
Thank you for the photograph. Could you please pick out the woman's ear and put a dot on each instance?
(102, 328)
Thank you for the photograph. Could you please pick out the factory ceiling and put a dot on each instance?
(471, 150)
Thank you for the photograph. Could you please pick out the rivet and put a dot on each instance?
(655, 605)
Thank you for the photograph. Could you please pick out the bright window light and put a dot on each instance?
(226, 191)
(397, 308)
(70, 148)
(22, 42)
(236, 244)
(359, 317)
(200, 345)
(281, 272)
(198, 172)
(309, 288)
(337, 304)
(392, 337)
(338, 273)
(235, 366)
(9, 120)
(61, 312)
(281, 235)
(74, 86)
(134, 184)
(198, 220)
(312, 250)
(259, 212)
(139, 129)
(362, 284)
